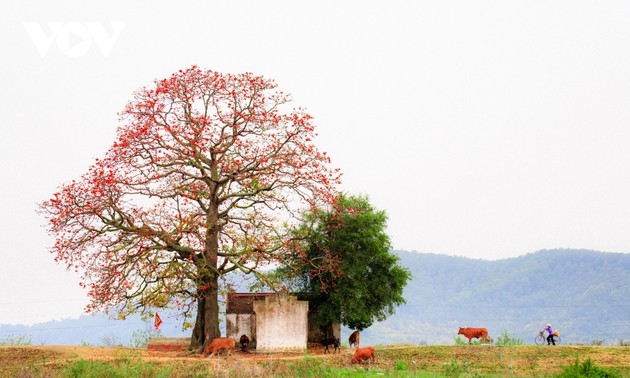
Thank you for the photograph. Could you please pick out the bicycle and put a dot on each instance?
(540, 339)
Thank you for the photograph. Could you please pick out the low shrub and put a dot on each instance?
(586, 369)
(401, 365)
(16, 340)
(505, 339)
(140, 337)
(454, 369)
(461, 341)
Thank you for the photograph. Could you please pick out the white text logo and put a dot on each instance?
(74, 39)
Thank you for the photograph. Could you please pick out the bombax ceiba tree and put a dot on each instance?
(206, 176)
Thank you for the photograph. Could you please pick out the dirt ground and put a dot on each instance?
(520, 361)
(55, 356)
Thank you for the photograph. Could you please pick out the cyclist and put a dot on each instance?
(550, 335)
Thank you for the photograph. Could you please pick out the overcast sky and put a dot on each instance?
(486, 129)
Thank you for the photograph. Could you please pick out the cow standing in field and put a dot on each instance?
(244, 341)
(219, 344)
(354, 339)
(362, 355)
(474, 333)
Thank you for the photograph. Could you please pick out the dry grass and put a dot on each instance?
(516, 361)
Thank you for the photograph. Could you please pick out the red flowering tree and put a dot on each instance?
(206, 176)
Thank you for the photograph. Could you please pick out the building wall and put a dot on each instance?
(281, 324)
(240, 324)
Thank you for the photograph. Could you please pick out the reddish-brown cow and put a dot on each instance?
(363, 354)
(473, 333)
(219, 344)
(354, 339)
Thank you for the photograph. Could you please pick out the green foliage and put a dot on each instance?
(586, 369)
(316, 367)
(505, 339)
(16, 340)
(461, 341)
(140, 337)
(125, 364)
(454, 369)
(308, 367)
(346, 266)
(122, 369)
(401, 365)
(464, 341)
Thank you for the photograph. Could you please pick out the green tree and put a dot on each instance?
(343, 263)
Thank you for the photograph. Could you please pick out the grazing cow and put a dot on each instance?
(354, 339)
(244, 342)
(473, 333)
(363, 354)
(334, 341)
(219, 344)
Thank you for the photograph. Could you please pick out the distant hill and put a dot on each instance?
(94, 330)
(582, 293)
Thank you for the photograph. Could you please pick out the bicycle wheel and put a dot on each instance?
(556, 339)
(539, 340)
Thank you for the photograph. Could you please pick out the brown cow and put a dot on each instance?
(473, 333)
(219, 344)
(354, 339)
(244, 341)
(363, 354)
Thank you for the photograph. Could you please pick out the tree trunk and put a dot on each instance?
(207, 321)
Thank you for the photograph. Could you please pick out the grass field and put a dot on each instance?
(394, 361)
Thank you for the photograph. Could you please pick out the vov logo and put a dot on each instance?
(74, 39)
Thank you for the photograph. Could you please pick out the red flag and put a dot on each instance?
(158, 321)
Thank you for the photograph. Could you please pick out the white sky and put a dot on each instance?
(486, 129)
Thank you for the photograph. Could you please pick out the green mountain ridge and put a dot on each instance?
(581, 292)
